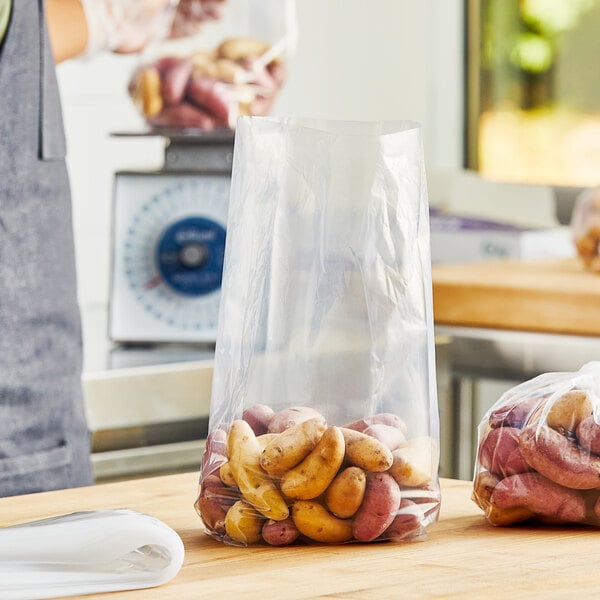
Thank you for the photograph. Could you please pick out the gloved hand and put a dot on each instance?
(126, 25)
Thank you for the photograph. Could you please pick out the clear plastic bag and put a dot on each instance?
(538, 454)
(323, 422)
(585, 227)
(234, 66)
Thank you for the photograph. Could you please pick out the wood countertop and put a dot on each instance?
(463, 557)
(550, 296)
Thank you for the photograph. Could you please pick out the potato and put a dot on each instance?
(567, 411)
(265, 439)
(226, 475)
(291, 446)
(483, 486)
(213, 97)
(183, 115)
(241, 47)
(380, 418)
(534, 493)
(408, 522)
(146, 91)
(215, 452)
(288, 417)
(499, 452)
(243, 523)
(559, 458)
(365, 451)
(416, 463)
(313, 521)
(255, 485)
(213, 502)
(175, 73)
(588, 434)
(346, 492)
(258, 417)
(391, 436)
(313, 475)
(378, 509)
(515, 413)
(280, 533)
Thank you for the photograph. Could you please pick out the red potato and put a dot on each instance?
(389, 435)
(588, 434)
(380, 418)
(184, 115)
(533, 492)
(214, 500)
(559, 458)
(215, 451)
(175, 73)
(514, 413)
(213, 97)
(408, 522)
(258, 417)
(499, 452)
(378, 509)
(280, 533)
(288, 417)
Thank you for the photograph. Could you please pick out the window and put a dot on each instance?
(533, 90)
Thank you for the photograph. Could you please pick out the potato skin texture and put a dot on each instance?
(391, 436)
(568, 411)
(258, 417)
(244, 524)
(288, 417)
(559, 458)
(545, 498)
(254, 484)
(313, 521)
(588, 435)
(499, 452)
(346, 492)
(313, 475)
(515, 413)
(288, 448)
(378, 509)
(366, 452)
(414, 462)
(280, 533)
(213, 502)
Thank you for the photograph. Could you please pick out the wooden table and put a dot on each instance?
(550, 296)
(463, 557)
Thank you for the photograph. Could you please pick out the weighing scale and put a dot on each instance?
(169, 230)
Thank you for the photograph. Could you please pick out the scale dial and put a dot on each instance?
(169, 251)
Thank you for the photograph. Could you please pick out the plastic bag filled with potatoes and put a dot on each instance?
(538, 455)
(323, 421)
(235, 65)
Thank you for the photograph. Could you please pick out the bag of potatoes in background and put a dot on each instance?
(585, 227)
(234, 66)
(538, 455)
(323, 421)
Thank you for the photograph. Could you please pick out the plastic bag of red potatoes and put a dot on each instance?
(538, 456)
(323, 423)
(235, 65)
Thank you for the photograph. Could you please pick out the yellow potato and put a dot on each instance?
(366, 452)
(226, 475)
(416, 462)
(242, 47)
(147, 92)
(255, 485)
(291, 446)
(316, 523)
(313, 475)
(243, 523)
(346, 492)
(569, 410)
(265, 439)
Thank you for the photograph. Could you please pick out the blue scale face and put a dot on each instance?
(173, 254)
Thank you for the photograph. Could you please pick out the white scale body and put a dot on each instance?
(169, 230)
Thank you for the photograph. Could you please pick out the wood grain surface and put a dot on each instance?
(463, 557)
(552, 296)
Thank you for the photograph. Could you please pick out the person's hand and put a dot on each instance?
(192, 14)
(127, 25)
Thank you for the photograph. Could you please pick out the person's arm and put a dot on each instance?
(67, 28)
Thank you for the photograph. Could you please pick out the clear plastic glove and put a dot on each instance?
(127, 25)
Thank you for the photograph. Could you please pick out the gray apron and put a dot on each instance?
(44, 440)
